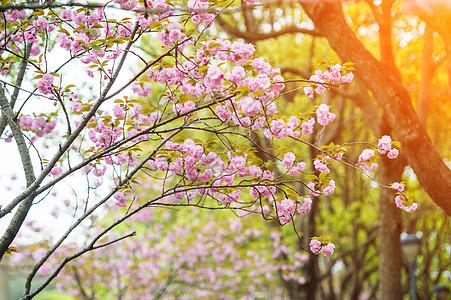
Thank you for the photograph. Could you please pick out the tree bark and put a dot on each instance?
(392, 97)
(389, 171)
(390, 258)
(24, 207)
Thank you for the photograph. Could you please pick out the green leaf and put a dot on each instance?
(97, 26)
(243, 89)
(79, 28)
(214, 45)
(96, 47)
(11, 249)
(291, 194)
(203, 69)
(38, 12)
(64, 31)
(396, 144)
(322, 176)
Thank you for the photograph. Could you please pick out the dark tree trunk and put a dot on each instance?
(389, 172)
(390, 260)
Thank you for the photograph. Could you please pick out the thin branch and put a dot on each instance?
(234, 31)
(114, 241)
(20, 76)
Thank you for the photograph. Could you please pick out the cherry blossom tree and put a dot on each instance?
(182, 122)
(228, 258)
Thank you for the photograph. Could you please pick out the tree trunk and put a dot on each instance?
(389, 172)
(392, 97)
(390, 260)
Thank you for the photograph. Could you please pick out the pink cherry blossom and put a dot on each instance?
(259, 83)
(41, 23)
(399, 201)
(223, 113)
(328, 249)
(161, 163)
(236, 75)
(322, 167)
(250, 106)
(312, 189)
(397, 186)
(260, 65)
(308, 90)
(384, 144)
(176, 166)
(288, 160)
(278, 83)
(121, 200)
(324, 117)
(307, 127)
(127, 4)
(55, 172)
(366, 155)
(393, 153)
(254, 171)
(99, 171)
(214, 78)
(35, 49)
(119, 111)
(305, 207)
(298, 168)
(45, 84)
(372, 167)
(315, 246)
(285, 210)
(329, 190)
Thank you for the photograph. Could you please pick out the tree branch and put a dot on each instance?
(24, 207)
(20, 76)
(235, 32)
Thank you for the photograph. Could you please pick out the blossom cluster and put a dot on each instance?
(384, 147)
(288, 162)
(286, 209)
(318, 188)
(401, 200)
(223, 254)
(317, 246)
(194, 163)
(198, 11)
(45, 84)
(248, 111)
(333, 76)
(39, 125)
